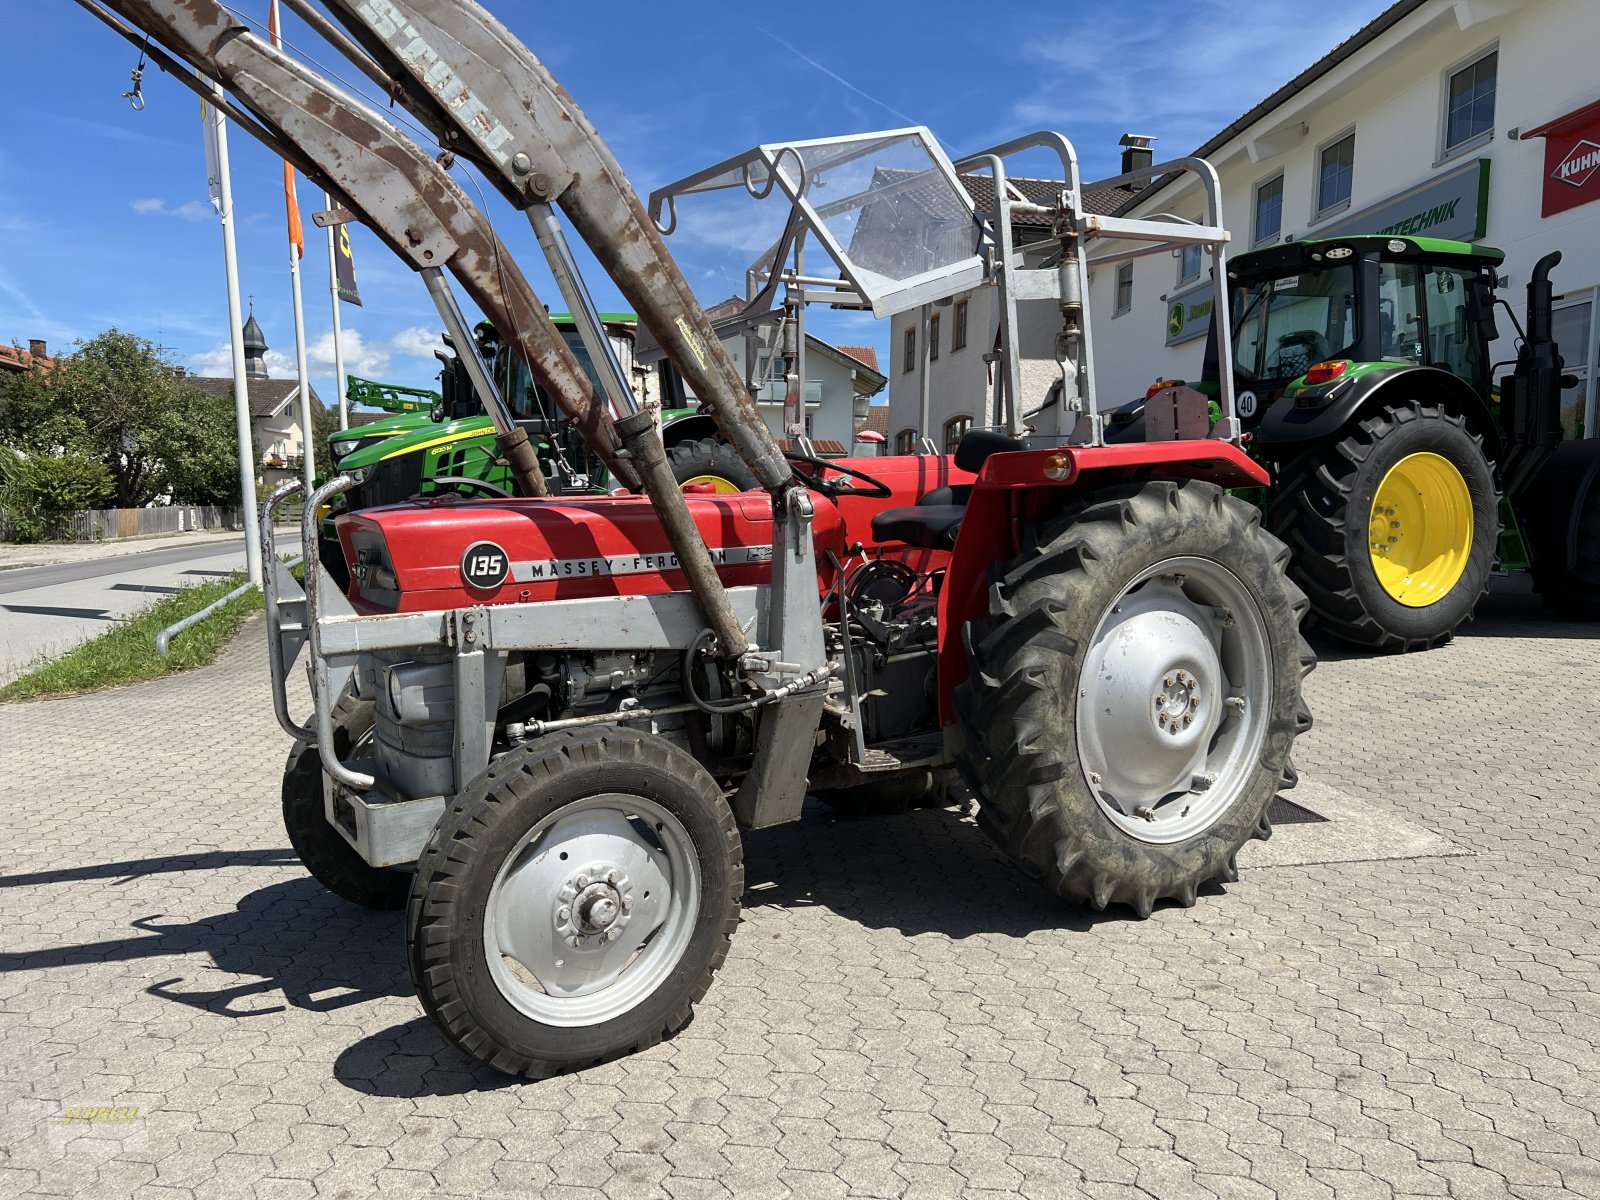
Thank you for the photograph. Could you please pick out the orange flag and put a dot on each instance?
(297, 233)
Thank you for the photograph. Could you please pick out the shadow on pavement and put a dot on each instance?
(138, 868)
(299, 944)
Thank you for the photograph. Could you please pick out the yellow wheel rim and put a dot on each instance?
(722, 486)
(1420, 530)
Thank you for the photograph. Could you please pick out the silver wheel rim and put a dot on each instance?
(592, 910)
(1172, 708)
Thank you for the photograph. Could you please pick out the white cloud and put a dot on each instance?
(417, 341)
(189, 210)
(360, 358)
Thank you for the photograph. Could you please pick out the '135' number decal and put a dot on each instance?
(485, 565)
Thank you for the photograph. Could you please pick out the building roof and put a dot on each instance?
(268, 397)
(1345, 50)
(15, 358)
(876, 420)
(862, 354)
(1099, 201)
(359, 417)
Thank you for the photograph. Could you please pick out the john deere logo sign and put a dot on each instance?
(1189, 314)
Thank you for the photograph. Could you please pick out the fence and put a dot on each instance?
(109, 524)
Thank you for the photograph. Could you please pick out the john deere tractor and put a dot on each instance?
(1403, 472)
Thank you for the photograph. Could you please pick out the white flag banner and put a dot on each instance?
(211, 118)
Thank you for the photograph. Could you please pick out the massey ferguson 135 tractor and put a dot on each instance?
(540, 724)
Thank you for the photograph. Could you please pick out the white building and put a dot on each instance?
(1477, 120)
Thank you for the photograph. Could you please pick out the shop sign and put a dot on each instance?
(1455, 205)
(1189, 313)
(1571, 159)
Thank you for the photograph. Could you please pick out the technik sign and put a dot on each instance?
(1455, 205)
(1571, 159)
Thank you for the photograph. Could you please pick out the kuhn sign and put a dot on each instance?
(1579, 165)
(1571, 159)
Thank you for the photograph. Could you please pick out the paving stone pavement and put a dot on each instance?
(901, 1014)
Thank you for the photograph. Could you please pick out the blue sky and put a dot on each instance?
(105, 220)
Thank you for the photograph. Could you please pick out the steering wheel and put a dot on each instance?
(463, 483)
(876, 489)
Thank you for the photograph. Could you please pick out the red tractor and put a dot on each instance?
(540, 724)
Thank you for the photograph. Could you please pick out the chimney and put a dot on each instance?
(36, 348)
(1137, 154)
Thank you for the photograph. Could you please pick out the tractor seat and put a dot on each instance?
(934, 520)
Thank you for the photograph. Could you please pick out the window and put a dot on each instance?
(1469, 103)
(1574, 333)
(954, 430)
(933, 338)
(1450, 309)
(1124, 289)
(908, 357)
(1188, 264)
(958, 335)
(905, 442)
(1400, 333)
(1282, 326)
(1335, 171)
(1269, 210)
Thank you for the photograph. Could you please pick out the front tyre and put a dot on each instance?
(1394, 527)
(574, 902)
(322, 849)
(1134, 693)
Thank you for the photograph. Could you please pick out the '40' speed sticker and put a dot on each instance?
(485, 566)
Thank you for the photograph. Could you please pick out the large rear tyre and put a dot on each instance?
(1393, 527)
(709, 460)
(322, 850)
(1134, 694)
(574, 902)
(1573, 591)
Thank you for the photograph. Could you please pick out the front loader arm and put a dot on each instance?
(398, 191)
(487, 97)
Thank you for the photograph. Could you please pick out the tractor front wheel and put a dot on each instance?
(1394, 527)
(331, 860)
(1134, 693)
(575, 901)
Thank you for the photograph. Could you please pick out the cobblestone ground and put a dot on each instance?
(901, 1013)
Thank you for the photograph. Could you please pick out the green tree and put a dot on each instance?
(43, 488)
(118, 399)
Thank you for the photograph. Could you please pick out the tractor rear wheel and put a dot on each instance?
(322, 850)
(1134, 694)
(1574, 592)
(710, 460)
(575, 901)
(1394, 527)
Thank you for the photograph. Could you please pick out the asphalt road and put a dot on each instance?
(46, 610)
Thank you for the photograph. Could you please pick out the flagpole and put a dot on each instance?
(217, 136)
(308, 449)
(338, 332)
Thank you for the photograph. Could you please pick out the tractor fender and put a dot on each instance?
(1553, 502)
(690, 428)
(1287, 428)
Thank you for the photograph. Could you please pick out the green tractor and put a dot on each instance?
(443, 442)
(1403, 473)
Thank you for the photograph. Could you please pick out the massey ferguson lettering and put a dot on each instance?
(544, 570)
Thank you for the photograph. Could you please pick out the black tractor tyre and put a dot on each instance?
(1019, 710)
(891, 797)
(711, 459)
(478, 837)
(1573, 591)
(322, 849)
(1322, 506)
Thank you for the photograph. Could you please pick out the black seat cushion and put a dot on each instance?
(931, 526)
(950, 493)
(977, 444)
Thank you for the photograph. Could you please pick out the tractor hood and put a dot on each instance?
(420, 434)
(452, 553)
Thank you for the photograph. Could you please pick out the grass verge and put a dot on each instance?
(127, 652)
